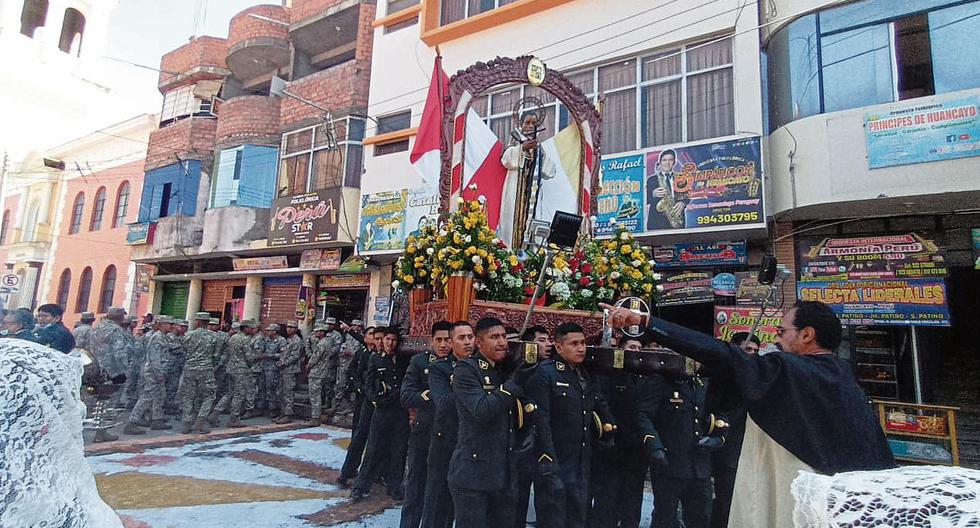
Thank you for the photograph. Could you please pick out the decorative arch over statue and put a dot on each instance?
(479, 80)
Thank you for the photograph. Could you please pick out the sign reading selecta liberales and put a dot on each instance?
(305, 218)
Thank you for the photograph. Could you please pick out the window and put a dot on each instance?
(64, 288)
(108, 286)
(84, 289)
(76, 214)
(308, 162)
(401, 25)
(4, 226)
(98, 210)
(33, 16)
(72, 29)
(455, 10)
(169, 191)
(122, 205)
(393, 123)
(245, 176)
(871, 52)
(187, 101)
(395, 6)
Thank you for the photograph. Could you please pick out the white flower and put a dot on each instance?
(560, 291)
(468, 239)
(593, 219)
(614, 275)
(460, 200)
(660, 288)
(657, 276)
(395, 284)
(586, 293)
(624, 236)
(482, 199)
(496, 241)
(477, 259)
(612, 221)
(443, 232)
(636, 263)
(429, 251)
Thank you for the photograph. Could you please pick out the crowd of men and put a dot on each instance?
(471, 432)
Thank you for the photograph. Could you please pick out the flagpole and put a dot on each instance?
(443, 139)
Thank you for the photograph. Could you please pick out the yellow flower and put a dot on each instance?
(409, 279)
(422, 273)
(613, 245)
(410, 249)
(478, 269)
(647, 287)
(481, 252)
(440, 239)
(637, 275)
(512, 260)
(457, 239)
(637, 255)
(470, 251)
(626, 250)
(493, 266)
(456, 264)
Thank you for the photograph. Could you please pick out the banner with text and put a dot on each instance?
(920, 302)
(904, 256)
(383, 221)
(708, 254)
(903, 134)
(730, 320)
(976, 247)
(305, 218)
(621, 197)
(689, 287)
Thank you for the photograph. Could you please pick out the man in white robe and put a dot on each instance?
(514, 159)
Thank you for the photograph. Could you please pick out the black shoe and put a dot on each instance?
(343, 482)
(396, 494)
(357, 496)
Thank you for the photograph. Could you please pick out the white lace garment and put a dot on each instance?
(906, 497)
(44, 477)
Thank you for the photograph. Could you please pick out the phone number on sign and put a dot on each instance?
(729, 218)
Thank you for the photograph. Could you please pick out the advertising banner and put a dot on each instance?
(140, 233)
(724, 284)
(749, 292)
(320, 259)
(382, 305)
(920, 302)
(383, 221)
(422, 209)
(708, 254)
(304, 303)
(905, 256)
(714, 185)
(621, 197)
(976, 248)
(689, 287)
(305, 218)
(947, 128)
(730, 320)
(359, 280)
(259, 263)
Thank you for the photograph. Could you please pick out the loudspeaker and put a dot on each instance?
(767, 272)
(564, 229)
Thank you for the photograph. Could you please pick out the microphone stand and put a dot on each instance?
(537, 290)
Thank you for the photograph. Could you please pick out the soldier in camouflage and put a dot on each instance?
(136, 356)
(351, 347)
(316, 364)
(268, 351)
(334, 340)
(197, 385)
(221, 378)
(110, 347)
(83, 332)
(175, 366)
(242, 381)
(154, 379)
(288, 369)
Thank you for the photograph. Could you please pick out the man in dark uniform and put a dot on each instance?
(417, 395)
(51, 331)
(678, 434)
(363, 408)
(438, 509)
(619, 471)
(570, 418)
(388, 438)
(724, 462)
(482, 472)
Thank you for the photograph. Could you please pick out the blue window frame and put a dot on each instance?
(245, 176)
(170, 190)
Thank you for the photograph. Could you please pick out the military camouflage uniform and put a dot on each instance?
(174, 366)
(317, 364)
(83, 336)
(137, 353)
(334, 340)
(290, 368)
(240, 347)
(154, 378)
(110, 347)
(350, 347)
(223, 393)
(197, 385)
(268, 352)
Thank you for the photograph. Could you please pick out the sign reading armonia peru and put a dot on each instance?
(305, 218)
(904, 256)
(730, 320)
(901, 134)
(920, 302)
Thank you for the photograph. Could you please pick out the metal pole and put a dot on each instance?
(758, 318)
(537, 291)
(916, 375)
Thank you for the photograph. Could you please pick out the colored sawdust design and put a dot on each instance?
(135, 491)
(207, 454)
(311, 436)
(309, 470)
(343, 443)
(246, 440)
(346, 512)
(129, 522)
(281, 442)
(147, 460)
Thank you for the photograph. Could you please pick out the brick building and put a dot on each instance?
(269, 119)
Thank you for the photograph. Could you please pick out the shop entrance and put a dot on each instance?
(343, 304)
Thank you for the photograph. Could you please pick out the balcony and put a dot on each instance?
(258, 42)
(233, 228)
(190, 138)
(251, 119)
(175, 238)
(203, 58)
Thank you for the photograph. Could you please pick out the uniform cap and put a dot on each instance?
(292, 324)
(116, 310)
(246, 323)
(214, 321)
(164, 319)
(274, 327)
(236, 324)
(330, 320)
(202, 316)
(319, 328)
(88, 315)
(181, 322)
(357, 322)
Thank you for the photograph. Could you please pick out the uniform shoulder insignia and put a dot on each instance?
(559, 365)
(433, 358)
(484, 365)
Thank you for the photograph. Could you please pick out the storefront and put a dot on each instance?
(174, 298)
(224, 299)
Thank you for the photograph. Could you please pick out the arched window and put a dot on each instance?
(122, 205)
(72, 29)
(76, 214)
(30, 225)
(33, 16)
(4, 227)
(98, 210)
(84, 289)
(108, 286)
(64, 286)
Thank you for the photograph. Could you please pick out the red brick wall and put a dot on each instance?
(365, 35)
(243, 26)
(342, 89)
(252, 119)
(279, 303)
(202, 51)
(786, 255)
(191, 138)
(217, 292)
(302, 9)
(96, 249)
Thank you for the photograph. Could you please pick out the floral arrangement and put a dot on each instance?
(414, 268)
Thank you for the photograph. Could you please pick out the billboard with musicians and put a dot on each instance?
(706, 187)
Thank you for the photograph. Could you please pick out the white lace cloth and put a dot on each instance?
(44, 477)
(906, 497)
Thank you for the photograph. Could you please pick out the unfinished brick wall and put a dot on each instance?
(201, 58)
(244, 26)
(251, 119)
(191, 138)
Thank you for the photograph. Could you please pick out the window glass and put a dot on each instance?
(661, 111)
(666, 64)
(503, 102)
(108, 287)
(354, 165)
(453, 10)
(292, 175)
(619, 122)
(76, 214)
(617, 75)
(956, 65)
(98, 210)
(84, 290)
(328, 169)
(395, 6)
(710, 105)
(584, 80)
(225, 183)
(479, 105)
(122, 205)
(872, 11)
(298, 141)
(64, 287)
(794, 78)
(866, 50)
(395, 122)
(709, 54)
(383, 149)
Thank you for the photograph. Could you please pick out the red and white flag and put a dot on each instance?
(425, 153)
(477, 169)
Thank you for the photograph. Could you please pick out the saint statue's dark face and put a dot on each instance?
(529, 123)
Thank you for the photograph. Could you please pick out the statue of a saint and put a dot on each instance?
(527, 165)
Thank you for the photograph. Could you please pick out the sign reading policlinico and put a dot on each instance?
(305, 218)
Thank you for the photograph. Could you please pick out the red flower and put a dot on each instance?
(585, 281)
(518, 267)
(586, 268)
(529, 290)
(601, 283)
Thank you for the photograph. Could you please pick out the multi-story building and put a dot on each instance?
(65, 222)
(252, 178)
(873, 144)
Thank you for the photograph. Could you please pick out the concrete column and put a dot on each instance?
(156, 297)
(306, 325)
(253, 298)
(194, 298)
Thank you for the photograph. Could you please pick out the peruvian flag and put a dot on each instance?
(483, 174)
(425, 153)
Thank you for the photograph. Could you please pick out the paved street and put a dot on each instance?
(282, 479)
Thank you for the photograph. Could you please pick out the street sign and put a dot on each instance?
(9, 283)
